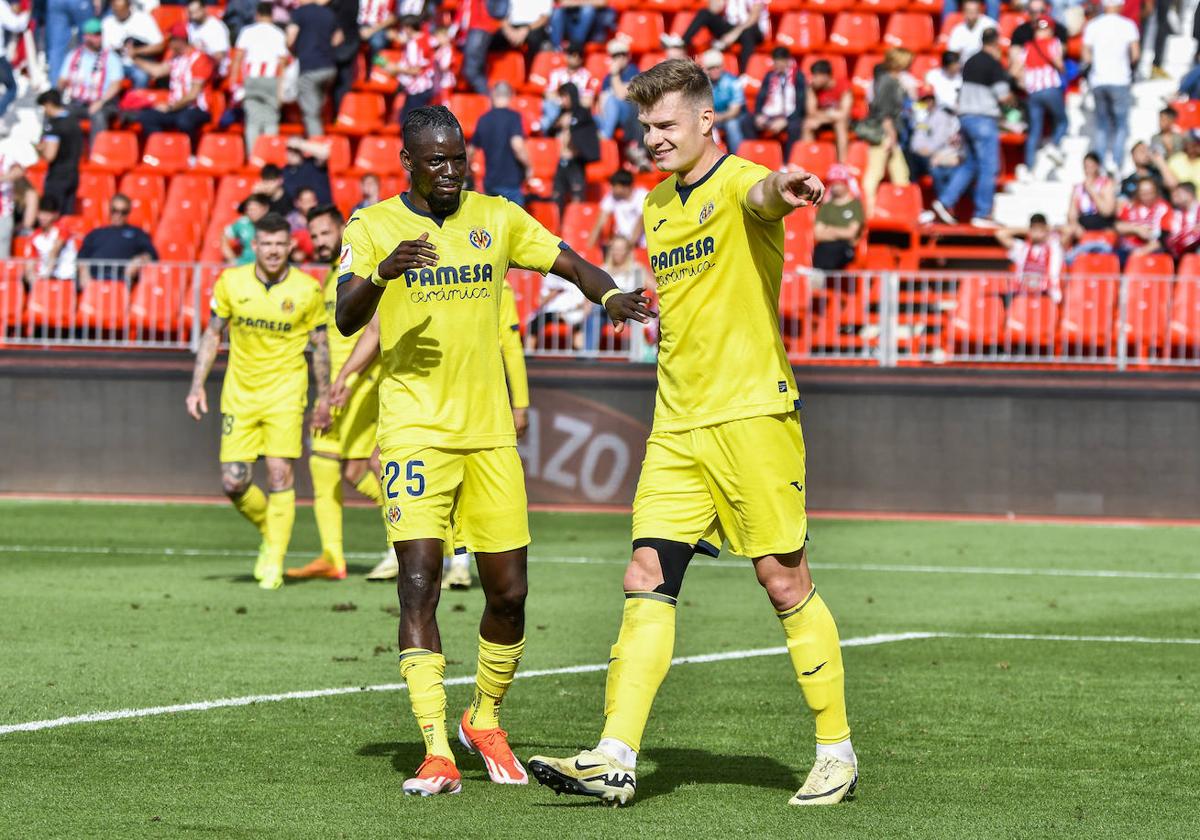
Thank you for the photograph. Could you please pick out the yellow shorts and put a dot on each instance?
(351, 437)
(478, 492)
(245, 437)
(742, 481)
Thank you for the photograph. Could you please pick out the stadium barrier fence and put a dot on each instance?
(872, 318)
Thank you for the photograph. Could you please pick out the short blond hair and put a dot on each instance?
(897, 58)
(673, 75)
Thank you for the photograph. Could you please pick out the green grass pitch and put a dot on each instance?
(957, 736)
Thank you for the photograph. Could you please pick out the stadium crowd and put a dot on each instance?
(532, 79)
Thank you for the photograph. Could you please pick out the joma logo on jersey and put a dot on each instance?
(261, 324)
(480, 238)
(706, 211)
(683, 254)
(449, 275)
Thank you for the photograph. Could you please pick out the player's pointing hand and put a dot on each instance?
(409, 254)
(628, 306)
(800, 188)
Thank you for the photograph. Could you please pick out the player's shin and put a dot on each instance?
(281, 516)
(816, 654)
(327, 506)
(637, 665)
(494, 674)
(424, 671)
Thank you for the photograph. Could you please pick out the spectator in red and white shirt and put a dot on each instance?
(416, 70)
(375, 18)
(209, 34)
(575, 73)
(10, 171)
(828, 104)
(52, 248)
(189, 72)
(1042, 65)
(744, 22)
(441, 44)
(1141, 221)
(1037, 258)
(1183, 229)
(90, 79)
(264, 55)
(779, 106)
(623, 208)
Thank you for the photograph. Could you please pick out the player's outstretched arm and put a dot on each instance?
(780, 193)
(364, 352)
(598, 287)
(210, 342)
(358, 297)
(321, 418)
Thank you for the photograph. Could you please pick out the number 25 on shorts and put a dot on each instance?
(414, 480)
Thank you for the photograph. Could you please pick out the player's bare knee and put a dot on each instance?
(419, 592)
(508, 601)
(235, 479)
(658, 566)
(279, 475)
(644, 571)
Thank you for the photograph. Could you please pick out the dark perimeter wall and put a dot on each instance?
(895, 440)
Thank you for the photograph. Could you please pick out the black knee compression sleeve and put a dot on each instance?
(673, 559)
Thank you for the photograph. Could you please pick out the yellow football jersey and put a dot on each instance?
(340, 346)
(718, 267)
(511, 348)
(443, 382)
(268, 333)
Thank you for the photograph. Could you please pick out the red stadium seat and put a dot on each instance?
(1148, 282)
(815, 157)
(643, 30)
(347, 192)
(360, 113)
(1189, 113)
(146, 193)
(1184, 325)
(930, 7)
(923, 63)
(546, 212)
(543, 161)
(177, 237)
(679, 25)
(380, 155)
(1032, 323)
(767, 152)
(220, 154)
(103, 305)
(863, 77)
(577, 223)
(469, 107)
(610, 161)
(828, 7)
(896, 208)
(544, 65)
(101, 185)
(756, 70)
(853, 33)
(50, 306)
(530, 109)
(1009, 21)
(114, 151)
(879, 7)
(949, 21)
(230, 191)
(167, 152)
(507, 67)
(1086, 327)
(801, 32)
(188, 312)
(798, 240)
(911, 30)
(269, 148)
(339, 151)
(187, 187)
(12, 295)
(168, 16)
(156, 301)
(527, 288)
(979, 318)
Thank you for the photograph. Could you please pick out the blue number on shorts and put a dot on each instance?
(391, 471)
(416, 478)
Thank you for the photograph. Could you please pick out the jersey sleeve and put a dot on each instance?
(530, 245)
(222, 306)
(358, 251)
(741, 179)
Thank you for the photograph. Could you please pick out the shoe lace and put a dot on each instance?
(489, 738)
(430, 762)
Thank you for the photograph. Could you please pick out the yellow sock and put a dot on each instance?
(637, 665)
(494, 674)
(281, 515)
(253, 505)
(423, 670)
(327, 506)
(368, 485)
(812, 641)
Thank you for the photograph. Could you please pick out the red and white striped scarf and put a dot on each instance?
(87, 87)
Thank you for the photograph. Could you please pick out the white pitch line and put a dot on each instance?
(894, 568)
(859, 641)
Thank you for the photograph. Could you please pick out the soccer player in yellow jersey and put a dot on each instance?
(343, 451)
(273, 312)
(725, 458)
(431, 262)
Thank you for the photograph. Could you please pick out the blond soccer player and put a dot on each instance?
(725, 458)
(431, 262)
(273, 312)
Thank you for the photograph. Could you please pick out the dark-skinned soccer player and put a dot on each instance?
(431, 261)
